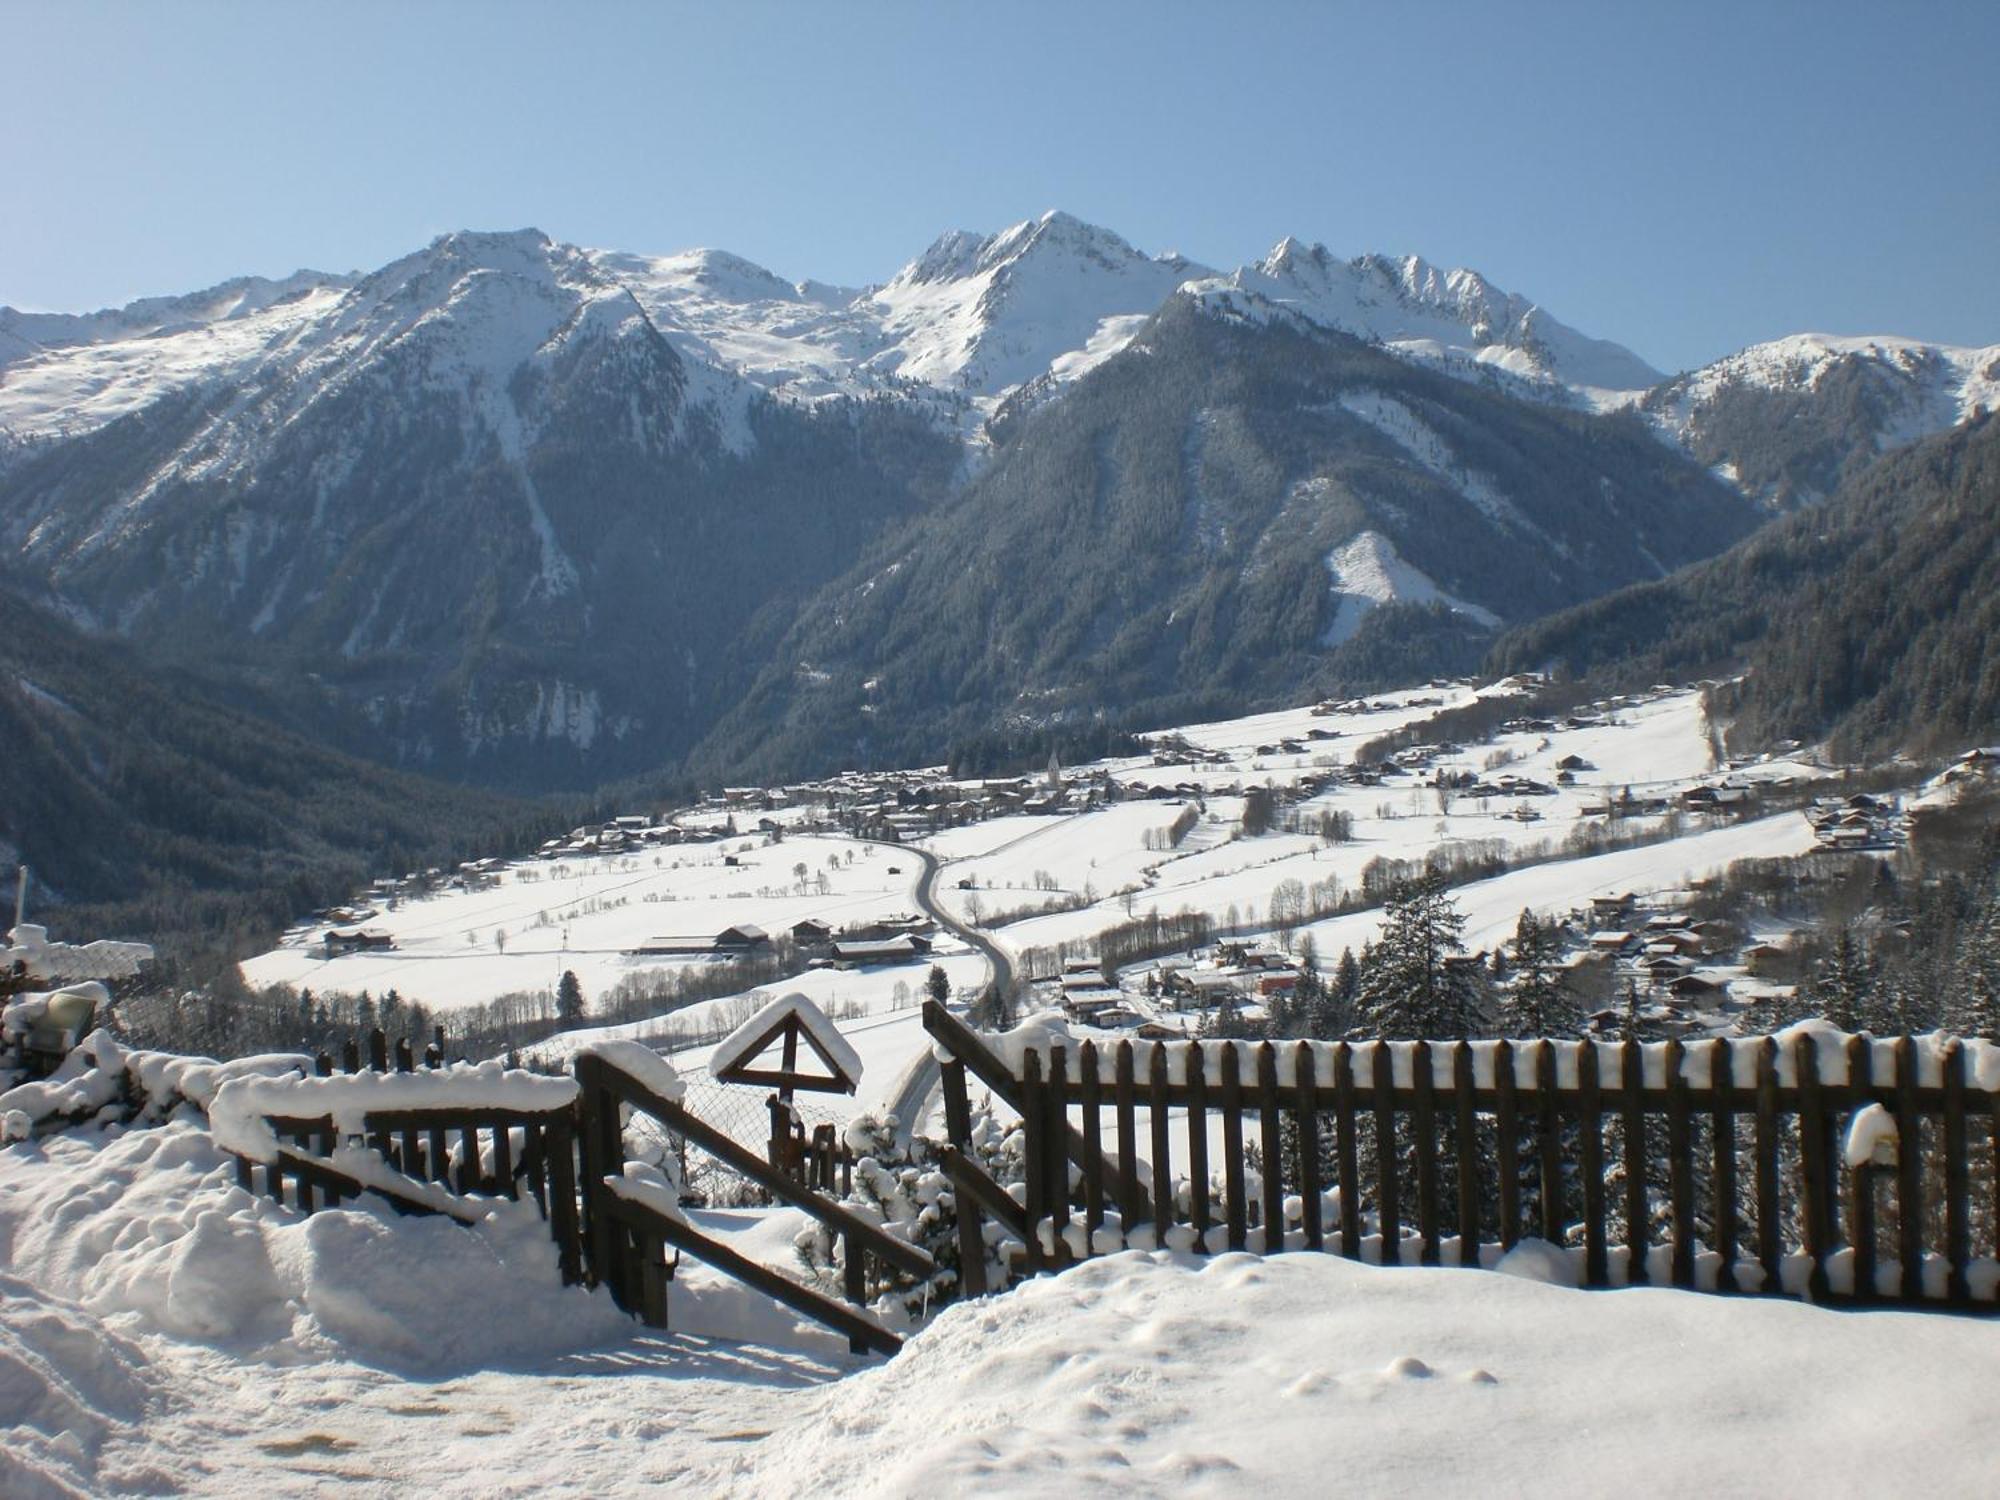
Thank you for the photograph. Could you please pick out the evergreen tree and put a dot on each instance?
(1346, 981)
(1974, 1005)
(937, 984)
(1540, 1001)
(1844, 983)
(569, 1000)
(1407, 990)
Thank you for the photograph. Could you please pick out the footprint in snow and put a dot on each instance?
(1309, 1384)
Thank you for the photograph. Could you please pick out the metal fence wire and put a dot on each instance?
(741, 1113)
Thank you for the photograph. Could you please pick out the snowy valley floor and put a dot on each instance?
(161, 1331)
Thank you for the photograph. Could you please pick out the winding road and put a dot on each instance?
(998, 960)
(909, 1098)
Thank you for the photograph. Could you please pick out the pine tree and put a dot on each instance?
(1844, 983)
(1540, 1001)
(1346, 982)
(937, 984)
(1974, 1006)
(569, 1000)
(1407, 990)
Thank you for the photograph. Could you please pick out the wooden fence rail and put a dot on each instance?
(467, 1150)
(1717, 1164)
(625, 1242)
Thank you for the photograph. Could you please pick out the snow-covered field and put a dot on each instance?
(587, 914)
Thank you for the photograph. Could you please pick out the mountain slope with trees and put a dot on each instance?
(1870, 619)
(142, 806)
(1228, 511)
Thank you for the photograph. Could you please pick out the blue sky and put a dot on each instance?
(1683, 178)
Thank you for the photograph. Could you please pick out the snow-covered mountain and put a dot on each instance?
(971, 320)
(519, 510)
(1455, 320)
(441, 512)
(1788, 420)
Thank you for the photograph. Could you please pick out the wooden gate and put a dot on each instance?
(1853, 1169)
(625, 1237)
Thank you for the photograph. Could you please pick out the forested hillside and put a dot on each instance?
(143, 807)
(1871, 619)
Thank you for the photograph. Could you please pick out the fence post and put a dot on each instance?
(1957, 1184)
(1508, 1139)
(1128, 1141)
(1424, 1125)
(1638, 1215)
(1093, 1138)
(1274, 1150)
(1817, 1179)
(1197, 1129)
(1549, 1141)
(971, 1226)
(1347, 1149)
(1236, 1212)
(1389, 1208)
(1034, 1123)
(1861, 1176)
(1468, 1154)
(1056, 1143)
(1590, 1156)
(558, 1146)
(1722, 1182)
(1909, 1171)
(1770, 1246)
(1158, 1119)
(854, 1275)
(1306, 1120)
(1680, 1163)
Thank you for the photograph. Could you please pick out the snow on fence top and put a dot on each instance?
(1044, 1033)
(642, 1063)
(238, 1114)
(101, 1074)
(742, 1044)
(29, 946)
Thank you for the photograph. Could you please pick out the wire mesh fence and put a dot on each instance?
(744, 1115)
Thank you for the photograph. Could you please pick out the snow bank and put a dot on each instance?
(1145, 1374)
(148, 1230)
(67, 1385)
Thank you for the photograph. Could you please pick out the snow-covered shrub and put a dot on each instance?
(904, 1189)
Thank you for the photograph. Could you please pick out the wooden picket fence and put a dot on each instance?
(494, 1152)
(1715, 1164)
(568, 1159)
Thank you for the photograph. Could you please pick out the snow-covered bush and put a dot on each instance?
(904, 1189)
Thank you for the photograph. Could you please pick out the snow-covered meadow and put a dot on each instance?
(1104, 865)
